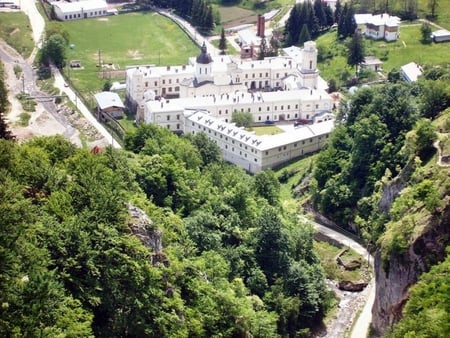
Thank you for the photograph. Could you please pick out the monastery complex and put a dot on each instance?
(202, 96)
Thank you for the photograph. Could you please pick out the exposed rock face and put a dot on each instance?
(142, 227)
(393, 189)
(394, 279)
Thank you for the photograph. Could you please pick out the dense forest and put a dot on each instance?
(381, 130)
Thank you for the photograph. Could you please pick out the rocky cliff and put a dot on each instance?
(397, 272)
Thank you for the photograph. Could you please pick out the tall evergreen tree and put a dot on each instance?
(222, 42)
(5, 133)
(304, 35)
(329, 16)
(355, 51)
(319, 10)
(337, 11)
(292, 28)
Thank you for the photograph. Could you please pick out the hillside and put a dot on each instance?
(382, 177)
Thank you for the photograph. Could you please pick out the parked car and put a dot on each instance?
(300, 122)
(269, 122)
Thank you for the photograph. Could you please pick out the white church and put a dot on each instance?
(202, 96)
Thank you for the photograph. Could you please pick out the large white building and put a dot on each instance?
(206, 75)
(258, 152)
(78, 10)
(304, 104)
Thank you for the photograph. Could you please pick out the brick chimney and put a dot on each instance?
(260, 26)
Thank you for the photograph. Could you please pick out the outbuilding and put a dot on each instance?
(441, 35)
(109, 105)
(411, 72)
(66, 11)
(372, 63)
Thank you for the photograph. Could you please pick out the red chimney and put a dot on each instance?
(260, 26)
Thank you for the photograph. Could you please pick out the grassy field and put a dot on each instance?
(443, 10)
(123, 40)
(266, 130)
(16, 31)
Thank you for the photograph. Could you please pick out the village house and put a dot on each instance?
(372, 63)
(380, 26)
(441, 35)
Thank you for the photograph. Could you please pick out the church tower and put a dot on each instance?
(203, 66)
(308, 71)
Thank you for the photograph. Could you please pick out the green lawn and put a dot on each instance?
(266, 130)
(443, 10)
(123, 40)
(15, 30)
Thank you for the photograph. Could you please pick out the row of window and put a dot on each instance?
(78, 15)
(169, 81)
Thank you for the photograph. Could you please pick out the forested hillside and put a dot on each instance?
(382, 176)
(228, 261)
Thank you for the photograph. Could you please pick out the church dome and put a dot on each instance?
(204, 57)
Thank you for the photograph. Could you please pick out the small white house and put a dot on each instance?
(410, 72)
(372, 63)
(441, 35)
(78, 10)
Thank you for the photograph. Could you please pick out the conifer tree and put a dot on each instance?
(304, 35)
(222, 42)
(355, 51)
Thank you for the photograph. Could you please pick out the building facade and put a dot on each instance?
(301, 104)
(379, 27)
(66, 11)
(206, 75)
(255, 153)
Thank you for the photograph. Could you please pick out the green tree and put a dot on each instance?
(242, 119)
(355, 51)
(304, 35)
(272, 245)
(267, 186)
(433, 5)
(421, 138)
(208, 149)
(434, 97)
(53, 51)
(425, 29)
(222, 41)
(5, 133)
